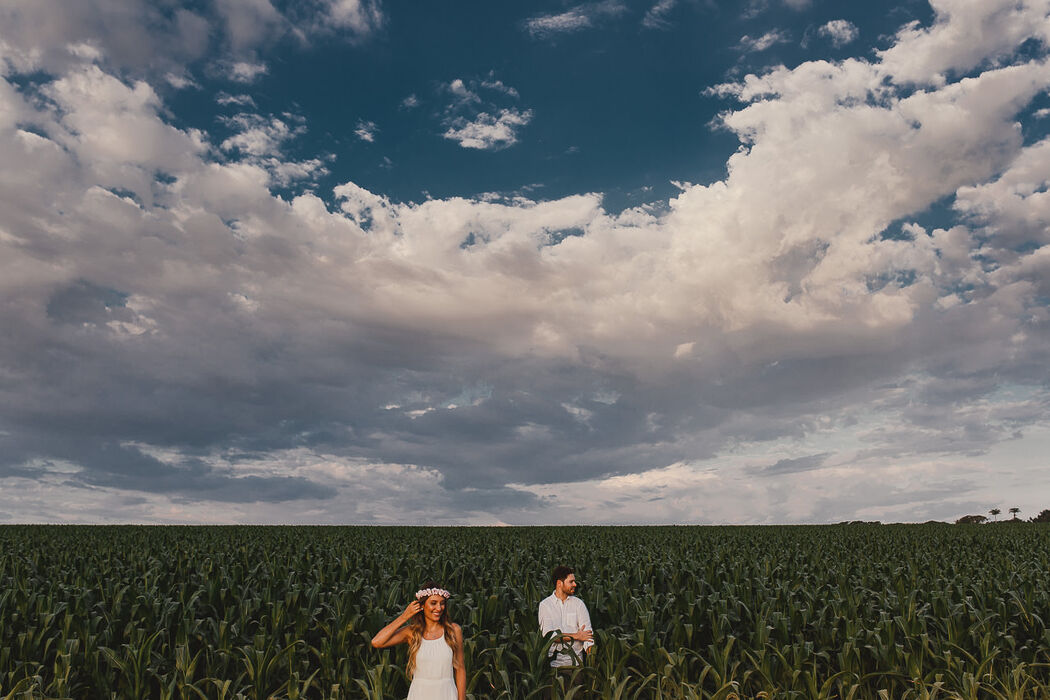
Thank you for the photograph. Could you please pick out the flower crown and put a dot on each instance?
(427, 592)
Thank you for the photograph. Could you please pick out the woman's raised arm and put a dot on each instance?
(396, 632)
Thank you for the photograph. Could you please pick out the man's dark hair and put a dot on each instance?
(561, 573)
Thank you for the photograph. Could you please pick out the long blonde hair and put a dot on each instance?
(417, 626)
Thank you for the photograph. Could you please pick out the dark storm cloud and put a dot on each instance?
(84, 302)
(792, 466)
(538, 422)
(541, 422)
(128, 468)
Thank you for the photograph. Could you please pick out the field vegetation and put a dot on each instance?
(851, 611)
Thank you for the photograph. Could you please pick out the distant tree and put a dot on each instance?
(1043, 517)
(1015, 510)
(971, 520)
(995, 512)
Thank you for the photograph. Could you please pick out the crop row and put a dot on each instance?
(680, 612)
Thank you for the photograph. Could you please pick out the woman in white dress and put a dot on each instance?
(435, 646)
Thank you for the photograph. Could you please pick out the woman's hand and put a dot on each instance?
(396, 632)
(412, 610)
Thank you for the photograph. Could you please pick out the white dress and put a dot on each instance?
(433, 679)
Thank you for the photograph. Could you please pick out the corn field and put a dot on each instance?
(857, 611)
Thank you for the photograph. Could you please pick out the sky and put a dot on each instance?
(612, 262)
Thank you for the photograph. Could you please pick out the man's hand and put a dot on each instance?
(583, 635)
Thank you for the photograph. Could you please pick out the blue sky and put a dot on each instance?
(352, 261)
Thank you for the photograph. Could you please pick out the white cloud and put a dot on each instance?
(1015, 207)
(352, 20)
(181, 81)
(249, 23)
(244, 71)
(146, 39)
(749, 44)
(745, 328)
(574, 19)
(480, 122)
(115, 129)
(366, 131)
(964, 35)
(410, 102)
(359, 16)
(133, 35)
(499, 86)
(489, 132)
(260, 141)
(463, 94)
(258, 135)
(286, 172)
(241, 100)
(840, 31)
(569, 21)
(656, 16)
(85, 51)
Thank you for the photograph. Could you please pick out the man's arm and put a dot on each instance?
(549, 622)
(585, 622)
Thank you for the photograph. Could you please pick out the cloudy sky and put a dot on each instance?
(624, 261)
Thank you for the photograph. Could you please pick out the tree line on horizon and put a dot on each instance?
(1043, 517)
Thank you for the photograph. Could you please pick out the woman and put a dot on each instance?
(435, 646)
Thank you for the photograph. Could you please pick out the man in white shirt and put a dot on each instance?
(566, 614)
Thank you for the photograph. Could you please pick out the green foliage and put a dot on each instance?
(852, 611)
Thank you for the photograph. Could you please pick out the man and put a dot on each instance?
(564, 613)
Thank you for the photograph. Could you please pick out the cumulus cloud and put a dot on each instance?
(244, 71)
(839, 31)
(362, 17)
(52, 35)
(259, 135)
(143, 38)
(261, 141)
(241, 100)
(249, 23)
(475, 118)
(1014, 208)
(749, 44)
(366, 130)
(574, 19)
(963, 36)
(181, 81)
(656, 16)
(489, 132)
(188, 337)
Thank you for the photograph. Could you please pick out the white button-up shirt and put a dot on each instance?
(565, 617)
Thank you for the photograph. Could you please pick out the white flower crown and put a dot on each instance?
(427, 592)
